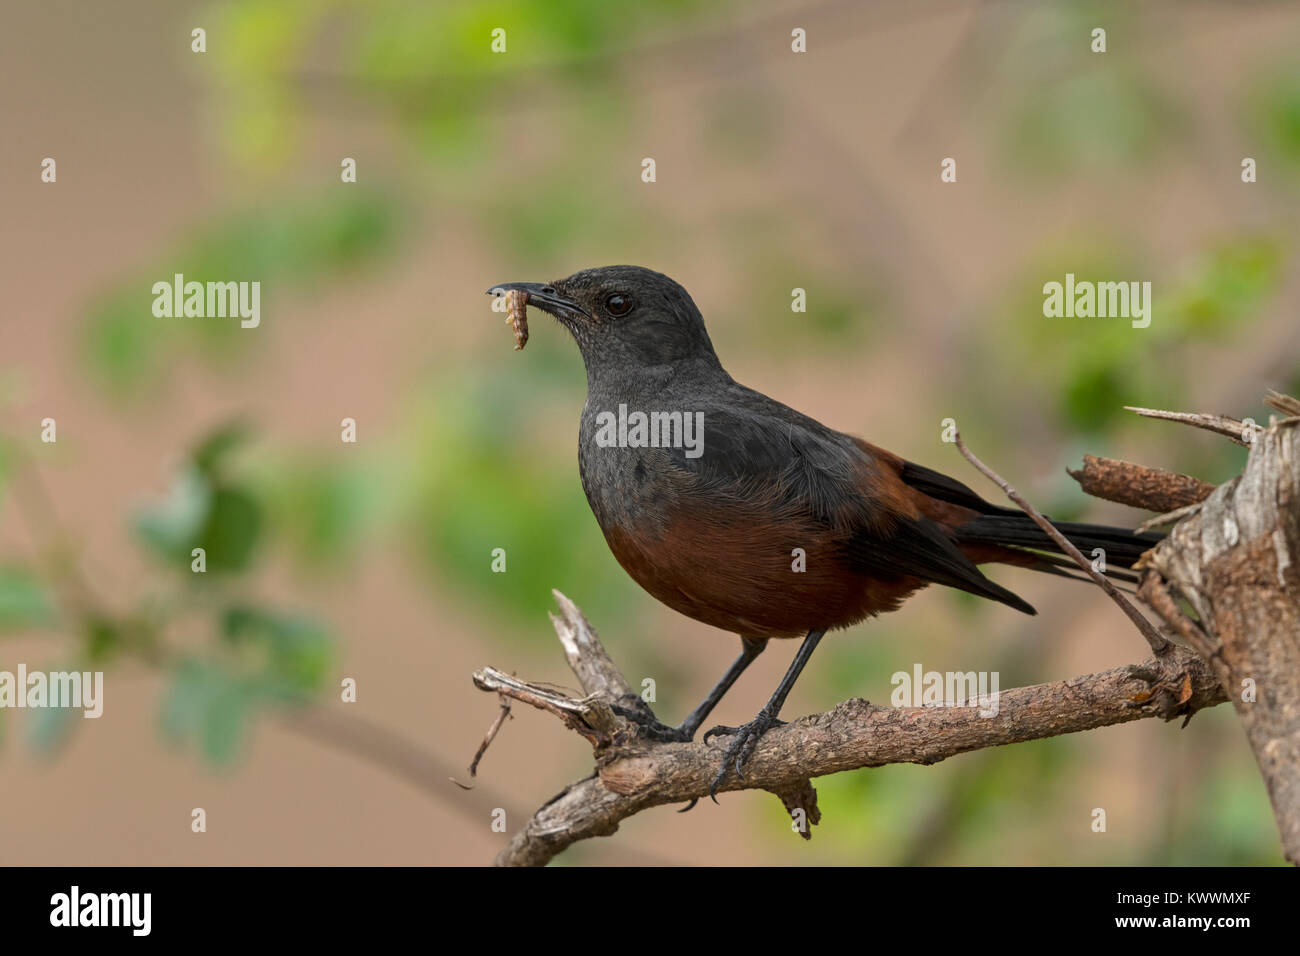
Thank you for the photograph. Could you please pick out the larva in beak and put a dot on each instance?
(517, 315)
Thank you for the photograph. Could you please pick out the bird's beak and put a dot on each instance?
(544, 297)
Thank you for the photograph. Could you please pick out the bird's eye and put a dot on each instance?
(616, 303)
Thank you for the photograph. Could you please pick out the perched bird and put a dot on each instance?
(711, 523)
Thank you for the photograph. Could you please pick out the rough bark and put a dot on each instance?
(1236, 563)
(1138, 486)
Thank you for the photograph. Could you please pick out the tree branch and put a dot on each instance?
(1243, 433)
(634, 774)
(1236, 564)
(1139, 486)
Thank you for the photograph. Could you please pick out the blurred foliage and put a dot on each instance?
(839, 314)
(544, 218)
(1075, 109)
(210, 705)
(24, 601)
(265, 658)
(1229, 285)
(323, 508)
(985, 797)
(1226, 814)
(1273, 112)
(257, 655)
(1092, 367)
(434, 62)
(280, 655)
(482, 482)
(205, 509)
(286, 246)
(1095, 118)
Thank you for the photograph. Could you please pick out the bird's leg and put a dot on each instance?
(750, 648)
(746, 736)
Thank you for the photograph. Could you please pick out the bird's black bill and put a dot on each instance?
(544, 297)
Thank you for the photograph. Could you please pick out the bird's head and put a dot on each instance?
(623, 317)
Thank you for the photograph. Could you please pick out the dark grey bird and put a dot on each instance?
(767, 524)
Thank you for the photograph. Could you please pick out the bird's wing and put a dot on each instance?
(941, 487)
(786, 457)
(836, 480)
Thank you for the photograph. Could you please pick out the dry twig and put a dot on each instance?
(1159, 644)
(1239, 431)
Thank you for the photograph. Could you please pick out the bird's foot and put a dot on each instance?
(651, 727)
(744, 740)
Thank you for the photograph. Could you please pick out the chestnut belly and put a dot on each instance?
(751, 579)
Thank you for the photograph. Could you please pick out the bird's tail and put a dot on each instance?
(1118, 548)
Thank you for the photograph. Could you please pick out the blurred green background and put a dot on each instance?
(372, 561)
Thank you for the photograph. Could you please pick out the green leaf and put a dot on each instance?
(1234, 279)
(24, 601)
(212, 452)
(322, 507)
(299, 651)
(183, 705)
(120, 346)
(225, 722)
(8, 462)
(1274, 110)
(50, 728)
(224, 520)
(103, 639)
(210, 705)
(233, 528)
(172, 527)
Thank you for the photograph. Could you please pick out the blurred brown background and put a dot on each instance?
(775, 170)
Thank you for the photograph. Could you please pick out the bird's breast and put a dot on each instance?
(749, 566)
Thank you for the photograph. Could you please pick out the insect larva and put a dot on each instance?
(517, 315)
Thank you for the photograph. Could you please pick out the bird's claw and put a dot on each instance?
(745, 739)
(651, 727)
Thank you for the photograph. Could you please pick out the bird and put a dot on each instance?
(762, 521)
